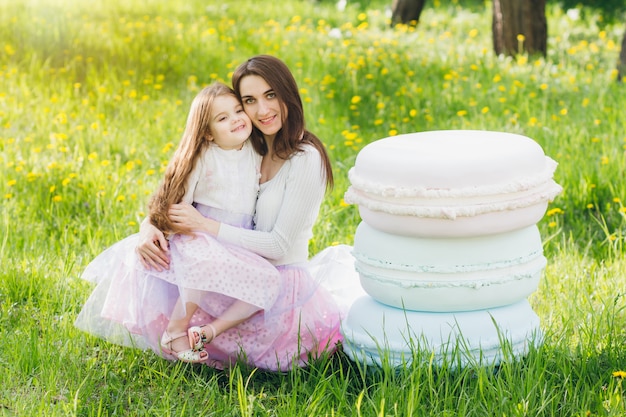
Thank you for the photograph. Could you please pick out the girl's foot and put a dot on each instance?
(198, 338)
(188, 355)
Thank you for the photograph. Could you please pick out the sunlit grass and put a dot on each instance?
(93, 99)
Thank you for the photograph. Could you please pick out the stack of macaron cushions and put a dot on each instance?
(448, 249)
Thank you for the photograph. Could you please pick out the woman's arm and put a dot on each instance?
(152, 249)
(295, 210)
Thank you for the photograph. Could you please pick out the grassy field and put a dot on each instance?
(93, 98)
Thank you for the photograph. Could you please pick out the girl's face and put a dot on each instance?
(262, 105)
(230, 125)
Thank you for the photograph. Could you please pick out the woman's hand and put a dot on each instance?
(153, 250)
(186, 216)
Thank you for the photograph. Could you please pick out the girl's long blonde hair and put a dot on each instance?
(194, 141)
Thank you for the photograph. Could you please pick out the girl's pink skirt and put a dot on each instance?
(299, 306)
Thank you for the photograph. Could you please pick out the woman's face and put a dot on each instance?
(262, 105)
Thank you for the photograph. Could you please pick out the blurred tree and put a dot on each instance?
(511, 18)
(621, 62)
(406, 11)
(519, 26)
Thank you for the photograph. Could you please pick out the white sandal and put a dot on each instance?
(198, 338)
(189, 355)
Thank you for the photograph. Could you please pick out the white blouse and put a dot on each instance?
(286, 210)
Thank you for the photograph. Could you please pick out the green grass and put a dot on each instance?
(94, 95)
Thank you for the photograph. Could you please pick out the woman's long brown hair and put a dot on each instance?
(195, 139)
(293, 134)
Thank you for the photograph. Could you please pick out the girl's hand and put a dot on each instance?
(153, 249)
(185, 215)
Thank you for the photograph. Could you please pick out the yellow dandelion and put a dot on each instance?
(554, 211)
(120, 198)
(57, 198)
(616, 199)
(552, 224)
(105, 163)
(484, 110)
(521, 38)
(167, 147)
(355, 99)
(11, 183)
(393, 132)
(8, 196)
(589, 206)
(604, 160)
(461, 113)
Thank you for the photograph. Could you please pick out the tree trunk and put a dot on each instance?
(406, 11)
(512, 18)
(621, 64)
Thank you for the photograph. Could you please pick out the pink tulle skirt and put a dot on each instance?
(298, 318)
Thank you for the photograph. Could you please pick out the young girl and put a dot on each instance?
(216, 169)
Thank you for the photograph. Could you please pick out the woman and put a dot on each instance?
(295, 173)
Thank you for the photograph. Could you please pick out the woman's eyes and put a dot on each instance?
(268, 96)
